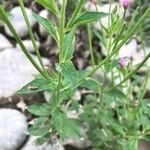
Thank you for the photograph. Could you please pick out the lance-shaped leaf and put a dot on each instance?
(116, 94)
(1, 10)
(37, 85)
(66, 127)
(49, 4)
(69, 43)
(47, 24)
(91, 84)
(41, 109)
(69, 72)
(41, 127)
(86, 17)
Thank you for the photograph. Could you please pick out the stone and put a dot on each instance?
(13, 129)
(16, 71)
(42, 30)
(28, 44)
(77, 95)
(129, 49)
(18, 22)
(4, 43)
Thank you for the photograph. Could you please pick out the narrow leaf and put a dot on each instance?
(69, 43)
(37, 85)
(67, 128)
(42, 109)
(91, 84)
(47, 24)
(69, 72)
(49, 4)
(116, 94)
(87, 17)
(40, 127)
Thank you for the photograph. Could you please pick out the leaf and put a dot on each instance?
(130, 144)
(41, 127)
(1, 10)
(68, 49)
(47, 24)
(69, 72)
(118, 128)
(110, 65)
(91, 84)
(49, 4)
(41, 109)
(87, 17)
(43, 139)
(67, 128)
(37, 85)
(146, 107)
(116, 94)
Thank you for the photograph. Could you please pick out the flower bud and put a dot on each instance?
(125, 3)
(122, 62)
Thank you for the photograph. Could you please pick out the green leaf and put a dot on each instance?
(87, 17)
(47, 24)
(146, 107)
(69, 72)
(37, 85)
(68, 49)
(118, 128)
(130, 144)
(41, 109)
(41, 127)
(1, 10)
(43, 139)
(67, 128)
(91, 84)
(50, 5)
(110, 65)
(116, 94)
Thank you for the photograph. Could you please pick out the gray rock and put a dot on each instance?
(42, 30)
(16, 71)
(4, 43)
(28, 44)
(18, 21)
(13, 128)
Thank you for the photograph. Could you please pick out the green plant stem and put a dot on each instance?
(90, 44)
(109, 26)
(58, 88)
(61, 42)
(19, 41)
(61, 28)
(134, 71)
(31, 35)
(126, 38)
(143, 89)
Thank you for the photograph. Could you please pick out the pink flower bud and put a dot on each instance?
(122, 62)
(125, 3)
